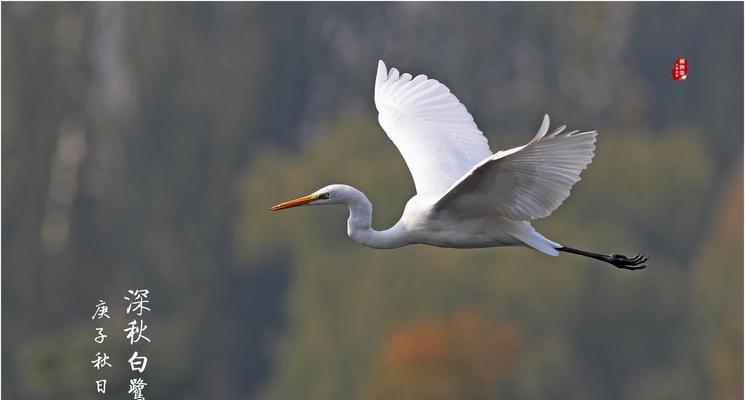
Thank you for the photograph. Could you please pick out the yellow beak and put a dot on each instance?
(300, 201)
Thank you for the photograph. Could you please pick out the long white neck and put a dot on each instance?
(359, 224)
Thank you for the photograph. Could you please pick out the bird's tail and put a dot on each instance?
(524, 233)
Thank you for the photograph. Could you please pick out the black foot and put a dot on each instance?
(621, 261)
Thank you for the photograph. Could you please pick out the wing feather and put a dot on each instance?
(526, 182)
(434, 132)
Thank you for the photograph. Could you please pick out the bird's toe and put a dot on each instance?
(633, 263)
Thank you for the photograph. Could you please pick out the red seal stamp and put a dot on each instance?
(680, 69)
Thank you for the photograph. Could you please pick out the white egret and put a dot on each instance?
(466, 196)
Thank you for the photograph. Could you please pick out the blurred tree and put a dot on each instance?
(465, 357)
(717, 281)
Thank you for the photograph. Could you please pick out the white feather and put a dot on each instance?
(526, 182)
(433, 131)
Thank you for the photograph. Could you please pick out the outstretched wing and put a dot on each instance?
(526, 182)
(433, 131)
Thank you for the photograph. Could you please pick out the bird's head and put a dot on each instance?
(331, 194)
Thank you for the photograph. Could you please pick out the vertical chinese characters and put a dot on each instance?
(137, 304)
(102, 359)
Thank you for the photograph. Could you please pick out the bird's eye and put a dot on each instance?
(324, 196)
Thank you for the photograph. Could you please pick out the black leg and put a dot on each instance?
(619, 261)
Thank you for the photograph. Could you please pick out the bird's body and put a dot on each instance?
(421, 223)
(466, 197)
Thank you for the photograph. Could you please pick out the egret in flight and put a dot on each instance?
(466, 197)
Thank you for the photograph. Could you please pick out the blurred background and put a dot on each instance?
(143, 143)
